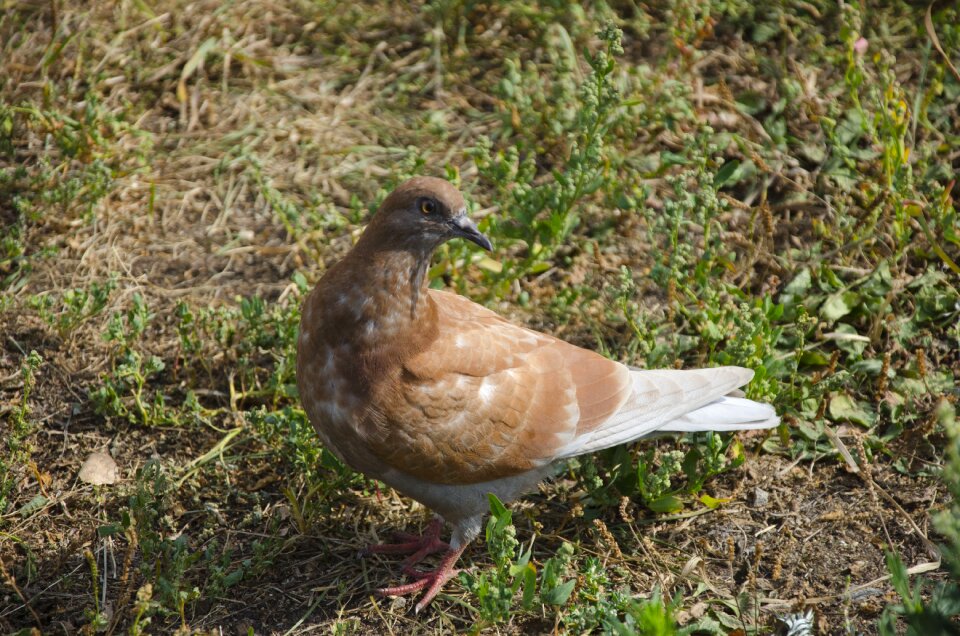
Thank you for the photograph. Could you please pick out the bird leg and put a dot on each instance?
(431, 581)
(417, 547)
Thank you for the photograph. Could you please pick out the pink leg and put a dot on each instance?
(431, 581)
(418, 547)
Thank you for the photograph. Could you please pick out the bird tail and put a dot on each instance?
(726, 414)
(671, 401)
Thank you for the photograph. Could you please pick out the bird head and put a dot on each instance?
(426, 212)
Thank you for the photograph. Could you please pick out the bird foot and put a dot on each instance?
(431, 581)
(418, 547)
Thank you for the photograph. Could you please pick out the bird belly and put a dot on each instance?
(464, 505)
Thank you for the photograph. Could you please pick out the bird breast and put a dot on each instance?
(351, 344)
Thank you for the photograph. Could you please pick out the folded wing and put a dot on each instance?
(488, 399)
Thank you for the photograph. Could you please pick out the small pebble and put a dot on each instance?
(760, 497)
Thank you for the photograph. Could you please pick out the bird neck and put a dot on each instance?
(379, 295)
(393, 266)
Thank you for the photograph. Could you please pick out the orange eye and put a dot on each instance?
(427, 206)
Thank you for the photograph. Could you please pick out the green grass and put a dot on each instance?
(674, 185)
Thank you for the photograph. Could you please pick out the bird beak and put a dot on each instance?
(465, 228)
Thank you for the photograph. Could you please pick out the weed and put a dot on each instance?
(75, 306)
(74, 171)
(555, 588)
(166, 556)
(512, 570)
(317, 477)
(651, 616)
(123, 391)
(543, 216)
(128, 384)
(98, 621)
(927, 607)
(17, 449)
(246, 336)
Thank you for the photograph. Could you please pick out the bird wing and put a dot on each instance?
(488, 399)
(671, 400)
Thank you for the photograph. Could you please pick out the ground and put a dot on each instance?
(699, 183)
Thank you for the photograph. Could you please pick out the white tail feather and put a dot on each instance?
(726, 414)
(679, 401)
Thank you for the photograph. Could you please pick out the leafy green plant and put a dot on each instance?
(76, 169)
(16, 449)
(167, 557)
(75, 306)
(664, 480)
(253, 337)
(928, 607)
(649, 617)
(512, 570)
(316, 477)
(594, 602)
(122, 393)
(555, 589)
(542, 216)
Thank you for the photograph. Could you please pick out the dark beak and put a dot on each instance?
(465, 228)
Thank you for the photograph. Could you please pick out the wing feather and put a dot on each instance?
(489, 399)
(659, 398)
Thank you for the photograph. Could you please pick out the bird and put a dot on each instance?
(447, 402)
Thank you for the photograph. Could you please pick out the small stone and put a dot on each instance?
(99, 469)
(760, 497)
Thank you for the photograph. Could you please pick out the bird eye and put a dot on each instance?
(427, 206)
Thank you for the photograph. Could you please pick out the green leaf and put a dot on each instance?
(707, 625)
(872, 367)
(725, 173)
(752, 102)
(529, 575)
(849, 340)
(33, 505)
(109, 530)
(838, 305)
(490, 265)
(712, 502)
(765, 31)
(665, 504)
(813, 359)
(800, 283)
(912, 387)
(844, 408)
(496, 506)
(558, 595)
(945, 414)
(539, 268)
(233, 578)
(668, 158)
(815, 153)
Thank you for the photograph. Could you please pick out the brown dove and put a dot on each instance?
(446, 401)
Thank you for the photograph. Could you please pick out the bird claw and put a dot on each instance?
(432, 581)
(418, 547)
